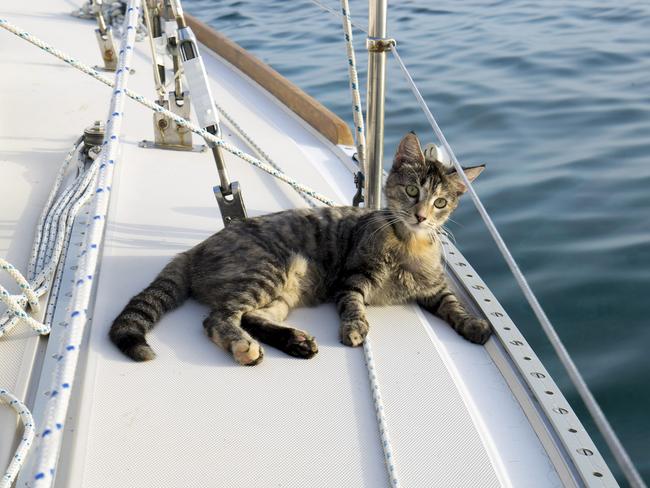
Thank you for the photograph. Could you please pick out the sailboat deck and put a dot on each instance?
(192, 417)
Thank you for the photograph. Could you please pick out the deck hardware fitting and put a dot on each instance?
(359, 183)
(105, 39)
(228, 194)
(230, 204)
(94, 134)
(167, 134)
(380, 44)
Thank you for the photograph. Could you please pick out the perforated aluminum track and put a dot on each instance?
(555, 421)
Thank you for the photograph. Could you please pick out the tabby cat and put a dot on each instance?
(253, 272)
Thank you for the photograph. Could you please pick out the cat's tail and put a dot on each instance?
(170, 288)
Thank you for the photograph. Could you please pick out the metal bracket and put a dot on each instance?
(231, 204)
(107, 48)
(168, 134)
(379, 44)
(105, 39)
(359, 182)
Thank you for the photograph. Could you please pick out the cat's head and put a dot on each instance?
(421, 192)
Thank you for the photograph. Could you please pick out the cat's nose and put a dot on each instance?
(421, 218)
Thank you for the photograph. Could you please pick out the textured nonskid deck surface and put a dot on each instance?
(192, 417)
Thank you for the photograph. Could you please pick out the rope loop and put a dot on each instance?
(16, 303)
(26, 441)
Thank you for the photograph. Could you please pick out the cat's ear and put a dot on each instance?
(408, 151)
(472, 173)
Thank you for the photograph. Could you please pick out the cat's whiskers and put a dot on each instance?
(452, 220)
(388, 223)
(380, 216)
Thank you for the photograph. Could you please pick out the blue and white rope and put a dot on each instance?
(357, 113)
(360, 138)
(166, 113)
(51, 432)
(52, 234)
(25, 442)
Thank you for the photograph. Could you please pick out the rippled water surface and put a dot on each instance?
(555, 97)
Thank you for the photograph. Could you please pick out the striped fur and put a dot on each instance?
(253, 272)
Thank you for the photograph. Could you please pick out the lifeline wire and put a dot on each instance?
(167, 113)
(337, 14)
(597, 414)
(51, 431)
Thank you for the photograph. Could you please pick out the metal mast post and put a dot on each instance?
(377, 45)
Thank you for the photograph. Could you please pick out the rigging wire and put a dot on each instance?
(5, 24)
(337, 13)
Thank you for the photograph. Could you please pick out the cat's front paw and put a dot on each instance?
(475, 330)
(353, 333)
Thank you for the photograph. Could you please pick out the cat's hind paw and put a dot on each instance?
(247, 353)
(301, 345)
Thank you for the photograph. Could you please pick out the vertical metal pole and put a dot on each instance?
(375, 101)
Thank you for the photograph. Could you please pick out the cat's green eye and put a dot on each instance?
(412, 191)
(440, 203)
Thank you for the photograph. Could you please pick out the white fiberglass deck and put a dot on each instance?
(193, 417)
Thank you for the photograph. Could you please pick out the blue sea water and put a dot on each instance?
(554, 97)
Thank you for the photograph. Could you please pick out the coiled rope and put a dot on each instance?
(52, 231)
